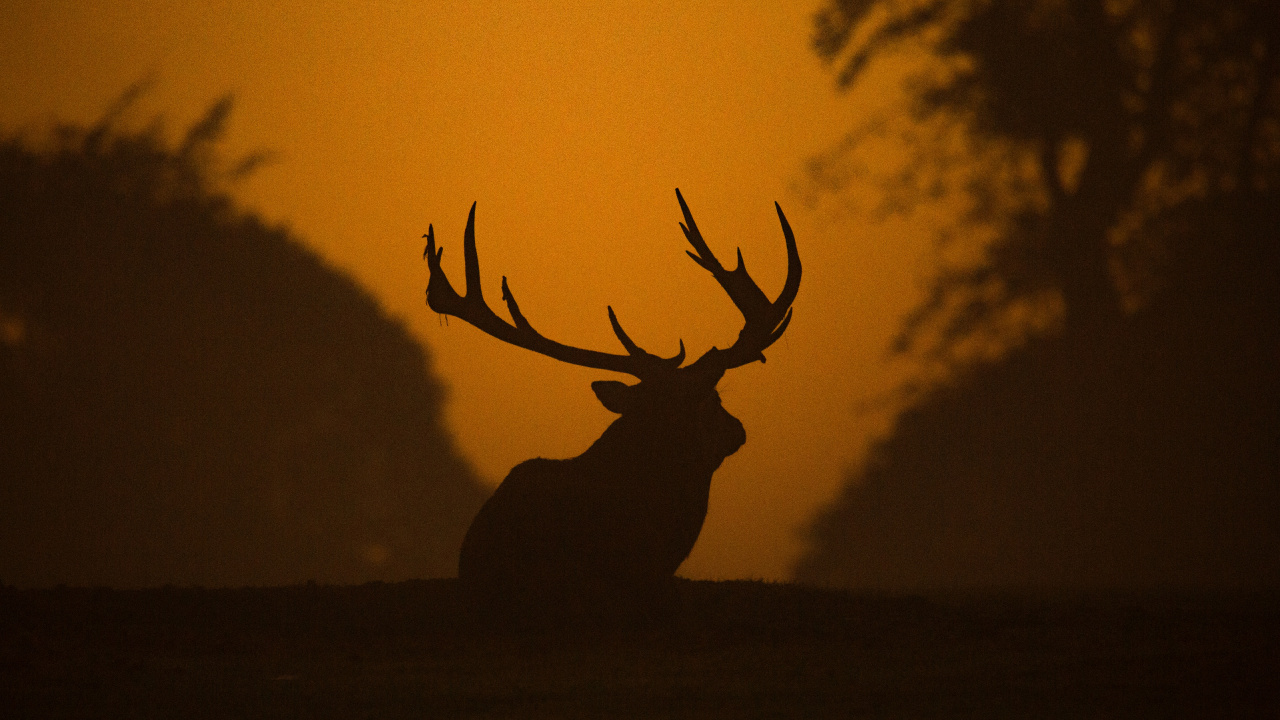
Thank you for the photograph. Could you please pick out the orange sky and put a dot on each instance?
(570, 124)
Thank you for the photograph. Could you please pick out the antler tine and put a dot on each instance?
(633, 349)
(765, 320)
(471, 307)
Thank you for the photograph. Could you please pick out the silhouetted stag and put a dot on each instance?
(614, 523)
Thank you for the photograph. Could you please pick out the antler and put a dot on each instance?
(765, 321)
(472, 308)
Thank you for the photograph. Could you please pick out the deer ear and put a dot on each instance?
(615, 396)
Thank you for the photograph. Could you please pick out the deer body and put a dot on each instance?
(620, 518)
(629, 509)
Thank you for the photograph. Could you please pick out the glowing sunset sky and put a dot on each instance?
(571, 124)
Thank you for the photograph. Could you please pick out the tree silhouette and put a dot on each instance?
(190, 396)
(1128, 163)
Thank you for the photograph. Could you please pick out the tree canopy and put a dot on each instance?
(1120, 425)
(191, 396)
(1097, 121)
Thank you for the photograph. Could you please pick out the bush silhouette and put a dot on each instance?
(190, 396)
(1129, 436)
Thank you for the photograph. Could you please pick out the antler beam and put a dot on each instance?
(471, 307)
(765, 320)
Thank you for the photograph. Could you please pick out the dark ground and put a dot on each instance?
(732, 649)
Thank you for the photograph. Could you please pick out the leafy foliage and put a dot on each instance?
(1091, 122)
(190, 396)
(1118, 423)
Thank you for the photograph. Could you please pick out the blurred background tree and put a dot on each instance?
(1098, 403)
(190, 396)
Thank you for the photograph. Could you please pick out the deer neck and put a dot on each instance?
(646, 448)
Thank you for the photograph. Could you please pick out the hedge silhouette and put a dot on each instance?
(190, 396)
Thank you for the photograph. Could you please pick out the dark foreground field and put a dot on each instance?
(732, 649)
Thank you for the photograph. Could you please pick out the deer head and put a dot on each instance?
(665, 389)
